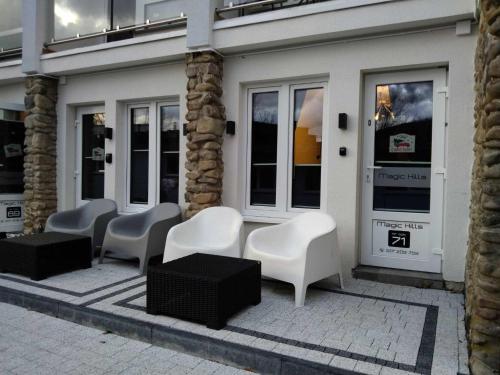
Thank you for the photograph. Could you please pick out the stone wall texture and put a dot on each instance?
(483, 258)
(206, 123)
(40, 191)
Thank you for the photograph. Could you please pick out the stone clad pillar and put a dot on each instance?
(483, 258)
(40, 190)
(206, 123)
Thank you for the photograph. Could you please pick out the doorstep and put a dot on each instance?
(400, 277)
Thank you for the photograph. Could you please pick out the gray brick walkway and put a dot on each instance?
(368, 328)
(36, 344)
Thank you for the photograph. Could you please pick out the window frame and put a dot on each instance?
(159, 104)
(292, 89)
(284, 158)
(129, 206)
(154, 157)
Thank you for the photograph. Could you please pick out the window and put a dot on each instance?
(139, 155)
(169, 159)
(153, 165)
(11, 152)
(284, 148)
(92, 156)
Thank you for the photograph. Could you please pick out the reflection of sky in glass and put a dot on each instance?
(79, 17)
(408, 102)
(265, 107)
(10, 24)
(10, 14)
(140, 116)
(169, 118)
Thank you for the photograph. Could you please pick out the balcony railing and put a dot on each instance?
(239, 8)
(79, 23)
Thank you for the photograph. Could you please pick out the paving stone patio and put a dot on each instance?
(368, 328)
(34, 343)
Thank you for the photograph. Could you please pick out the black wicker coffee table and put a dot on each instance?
(45, 254)
(203, 288)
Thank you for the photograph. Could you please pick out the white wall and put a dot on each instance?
(12, 93)
(345, 63)
(113, 89)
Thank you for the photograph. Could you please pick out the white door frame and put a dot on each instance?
(432, 257)
(80, 111)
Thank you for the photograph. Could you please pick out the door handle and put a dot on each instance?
(368, 175)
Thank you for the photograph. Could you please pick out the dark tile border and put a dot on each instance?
(425, 355)
(203, 346)
(66, 291)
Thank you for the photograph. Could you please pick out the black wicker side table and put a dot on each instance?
(203, 288)
(45, 254)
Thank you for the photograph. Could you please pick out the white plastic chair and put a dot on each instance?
(301, 251)
(214, 230)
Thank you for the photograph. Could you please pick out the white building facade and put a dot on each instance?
(359, 108)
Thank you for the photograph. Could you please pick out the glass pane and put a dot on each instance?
(139, 155)
(124, 13)
(161, 10)
(10, 24)
(93, 156)
(169, 163)
(264, 148)
(11, 153)
(403, 143)
(307, 133)
(73, 17)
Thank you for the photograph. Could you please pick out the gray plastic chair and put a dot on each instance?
(90, 220)
(141, 235)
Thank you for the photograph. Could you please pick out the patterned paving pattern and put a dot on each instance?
(368, 328)
(34, 343)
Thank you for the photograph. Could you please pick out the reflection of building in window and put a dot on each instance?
(383, 112)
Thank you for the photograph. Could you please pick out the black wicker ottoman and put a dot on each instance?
(203, 288)
(45, 254)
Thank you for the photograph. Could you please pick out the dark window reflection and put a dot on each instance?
(169, 163)
(11, 153)
(139, 158)
(307, 133)
(124, 13)
(264, 148)
(93, 156)
(403, 143)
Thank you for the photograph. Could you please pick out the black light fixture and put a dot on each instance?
(108, 133)
(343, 121)
(231, 127)
(109, 158)
(184, 129)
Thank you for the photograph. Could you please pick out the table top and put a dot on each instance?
(206, 266)
(41, 239)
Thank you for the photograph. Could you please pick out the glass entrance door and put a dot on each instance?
(403, 170)
(90, 154)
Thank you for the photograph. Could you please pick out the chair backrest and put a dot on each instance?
(96, 208)
(216, 224)
(163, 211)
(313, 224)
